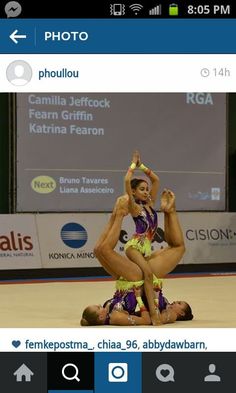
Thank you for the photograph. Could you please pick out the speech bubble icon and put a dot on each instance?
(13, 9)
(165, 373)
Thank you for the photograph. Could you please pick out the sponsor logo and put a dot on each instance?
(215, 194)
(60, 256)
(123, 237)
(199, 195)
(43, 184)
(15, 242)
(199, 99)
(212, 234)
(74, 235)
(159, 236)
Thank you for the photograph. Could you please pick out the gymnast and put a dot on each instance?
(142, 198)
(128, 306)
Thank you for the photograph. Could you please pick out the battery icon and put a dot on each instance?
(173, 9)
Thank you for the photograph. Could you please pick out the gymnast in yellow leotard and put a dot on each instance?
(142, 198)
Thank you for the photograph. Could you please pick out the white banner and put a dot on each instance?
(137, 73)
(127, 339)
(19, 248)
(68, 240)
(209, 237)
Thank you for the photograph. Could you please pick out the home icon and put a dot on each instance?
(23, 374)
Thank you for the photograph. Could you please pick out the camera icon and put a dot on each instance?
(117, 372)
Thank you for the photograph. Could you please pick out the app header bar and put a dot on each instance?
(117, 36)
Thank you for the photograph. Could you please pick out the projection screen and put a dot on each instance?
(73, 149)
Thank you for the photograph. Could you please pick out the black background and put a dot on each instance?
(190, 369)
(85, 363)
(101, 9)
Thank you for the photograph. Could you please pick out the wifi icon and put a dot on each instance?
(136, 8)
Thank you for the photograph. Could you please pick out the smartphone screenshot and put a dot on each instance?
(117, 203)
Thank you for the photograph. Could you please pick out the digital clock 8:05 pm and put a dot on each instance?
(207, 9)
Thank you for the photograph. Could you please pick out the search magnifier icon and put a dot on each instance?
(74, 376)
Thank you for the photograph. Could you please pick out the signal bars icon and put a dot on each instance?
(156, 10)
(136, 8)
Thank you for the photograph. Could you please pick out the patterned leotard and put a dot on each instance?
(125, 300)
(163, 302)
(145, 226)
(121, 301)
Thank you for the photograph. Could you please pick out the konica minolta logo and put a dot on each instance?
(74, 235)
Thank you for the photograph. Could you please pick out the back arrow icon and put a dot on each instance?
(14, 36)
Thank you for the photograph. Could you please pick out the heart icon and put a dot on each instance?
(165, 372)
(16, 343)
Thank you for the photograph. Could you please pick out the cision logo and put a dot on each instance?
(216, 235)
(74, 235)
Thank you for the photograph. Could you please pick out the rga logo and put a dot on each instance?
(43, 184)
(199, 99)
(74, 235)
(159, 236)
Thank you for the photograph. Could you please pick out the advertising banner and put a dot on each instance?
(209, 237)
(68, 240)
(19, 248)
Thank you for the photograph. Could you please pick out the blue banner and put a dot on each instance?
(118, 36)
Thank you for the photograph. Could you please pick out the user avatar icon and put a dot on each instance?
(212, 377)
(19, 73)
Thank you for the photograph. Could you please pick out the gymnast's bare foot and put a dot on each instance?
(164, 200)
(121, 205)
(168, 201)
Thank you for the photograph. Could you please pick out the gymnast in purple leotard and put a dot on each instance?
(125, 300)
(142, 198)
(121, 301)
(145, 224)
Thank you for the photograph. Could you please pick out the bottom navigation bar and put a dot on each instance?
(66, 372)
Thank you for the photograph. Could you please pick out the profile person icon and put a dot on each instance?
(212, 377)
(19, 73)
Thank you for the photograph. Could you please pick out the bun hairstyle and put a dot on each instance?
(188, 315)
(136, 181)
(84, 322)
(90, 317)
